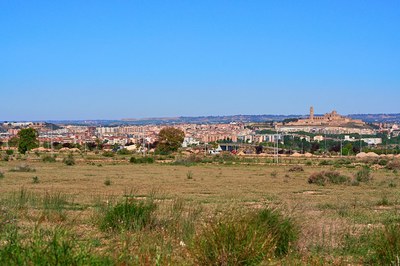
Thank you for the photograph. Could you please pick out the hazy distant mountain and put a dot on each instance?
(370, 118)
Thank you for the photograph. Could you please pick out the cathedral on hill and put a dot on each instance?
(329, 119)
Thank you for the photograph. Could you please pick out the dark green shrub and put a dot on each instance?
(107, 182)
(48, 159)
(325, 162)
(124, 151)
(69, 160)
(9, 152)
(129, 215)
(383, 162)
(35, 180)
(108, 154)
(363, 175)
(141, 160)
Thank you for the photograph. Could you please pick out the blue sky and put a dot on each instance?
(119, 59)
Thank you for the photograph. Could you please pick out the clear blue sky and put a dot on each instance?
(118, 59)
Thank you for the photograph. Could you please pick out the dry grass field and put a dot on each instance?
(63, 208)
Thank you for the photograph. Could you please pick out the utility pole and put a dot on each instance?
(341, 148)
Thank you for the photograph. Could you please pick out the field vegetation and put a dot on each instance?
(92, 209)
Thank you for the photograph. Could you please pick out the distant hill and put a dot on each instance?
(377, 118)
(370, 118)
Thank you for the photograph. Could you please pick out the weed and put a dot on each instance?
(129, 215)
(124, 151)
(274, 174)
(387, 245)
(108, 154)
(1, 175)
(46, 247)
(141, 160)
(35, 180)
(189, 175)
(325, 162)
(48, 159)
(384, 201)
(107, 182)
(69, 160)
(244, 239)
(364, 175)
(324, 177)
(392, 184)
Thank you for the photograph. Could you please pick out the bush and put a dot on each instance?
(128, 215)
(244, 239)
(383, 162)
(48, 159)
(35, 180)
(108, 154)
(107, 182)
(69, 160)
(141, 160)
(324, 177)
(9, 152)
(325, 162)
(123, 151)
(296, 168)
(363, 175)
(386, 246)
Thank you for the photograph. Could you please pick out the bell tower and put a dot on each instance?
(311, 113)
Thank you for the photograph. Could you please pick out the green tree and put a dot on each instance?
(13, 142)
(27, 140)
(170, 139)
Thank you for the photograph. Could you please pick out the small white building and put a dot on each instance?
(372, 141)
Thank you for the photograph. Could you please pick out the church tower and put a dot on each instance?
(312, 113)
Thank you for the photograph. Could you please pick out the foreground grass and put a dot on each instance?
(223, 214)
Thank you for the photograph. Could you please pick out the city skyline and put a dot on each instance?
(81, 60)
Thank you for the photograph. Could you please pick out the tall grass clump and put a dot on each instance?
(244, 239)
(69, 160)
(141, 160)
(324, 177)
(386, 246)
(130, 214)
(45, 247)
(48, 159)
(363, 175)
